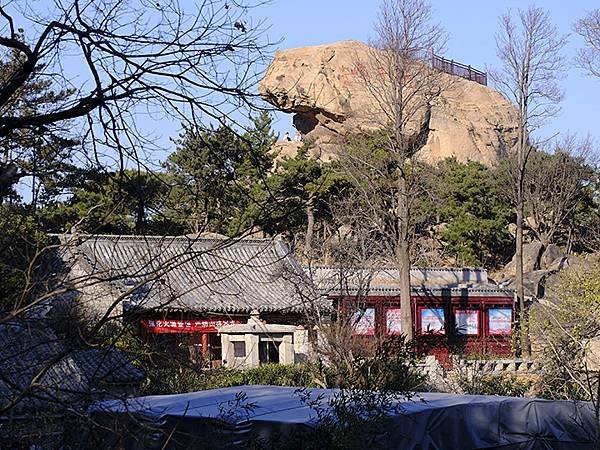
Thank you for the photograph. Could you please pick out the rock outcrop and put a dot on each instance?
(532, 253)
(323, 87)
(540, 268)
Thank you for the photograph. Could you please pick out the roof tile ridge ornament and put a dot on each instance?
(294, 266)
(73, 242)
(182, 238)
(421, 288)
(282, 245)
(254, 317)
(383, 268)
(469, 290)
(72, 238)
(127, 237)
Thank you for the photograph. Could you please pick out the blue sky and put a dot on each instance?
(471, 26)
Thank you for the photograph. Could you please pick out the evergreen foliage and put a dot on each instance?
(214, 174)
(46, 158)
(126, 202)
(21, 246)
(503, 385)
(294, 182)
(475, 217)
(170, 380)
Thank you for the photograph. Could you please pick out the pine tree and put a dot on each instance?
(216, 174)
(44, 157)
(474, 214)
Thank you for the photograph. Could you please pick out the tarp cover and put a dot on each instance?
(428, 421)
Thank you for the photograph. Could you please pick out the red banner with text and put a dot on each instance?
(185, 326)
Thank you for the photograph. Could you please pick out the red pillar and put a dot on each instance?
(205, 349)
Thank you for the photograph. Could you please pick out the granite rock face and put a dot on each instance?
(323, 87)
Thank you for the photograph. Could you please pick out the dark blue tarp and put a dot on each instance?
(428, 421)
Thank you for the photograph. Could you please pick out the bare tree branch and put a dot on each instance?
(529, 48)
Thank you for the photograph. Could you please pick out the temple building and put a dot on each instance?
(454, 311)
(181, 291)
(244, 302)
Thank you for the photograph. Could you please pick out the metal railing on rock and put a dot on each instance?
(461, 70)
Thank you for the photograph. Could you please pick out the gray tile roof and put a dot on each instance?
(197, 274)
(67, 377)
(107, 366)
(383, 281)
(26, 352)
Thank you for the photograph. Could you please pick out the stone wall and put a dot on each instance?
(466, 370)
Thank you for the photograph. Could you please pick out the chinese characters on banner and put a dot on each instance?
(364, 322)
(393, 320)
(467, 322)
(185, 326)
(500, 320)
(432, 321)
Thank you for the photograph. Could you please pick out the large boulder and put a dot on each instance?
(531, 258)
(552, 254)
(541, 283)
(536, 257)
(534, 283)
(324, 88)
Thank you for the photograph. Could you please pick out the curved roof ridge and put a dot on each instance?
(186, 238)
(470, 289)
(449, 269)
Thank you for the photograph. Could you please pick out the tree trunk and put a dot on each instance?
(405, 302)
(520, 291)
(570, 239)
(140, 216)
(403, 259)
(34, 190)
(310, 225)
(521, 316)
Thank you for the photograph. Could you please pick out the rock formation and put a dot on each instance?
(540, 266)
(322, 86)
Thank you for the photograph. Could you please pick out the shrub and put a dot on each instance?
(503, 385)
(282, 375)
(171, 380)
(391, 367)
(382, 363)
(565, 329)
(22, 245)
